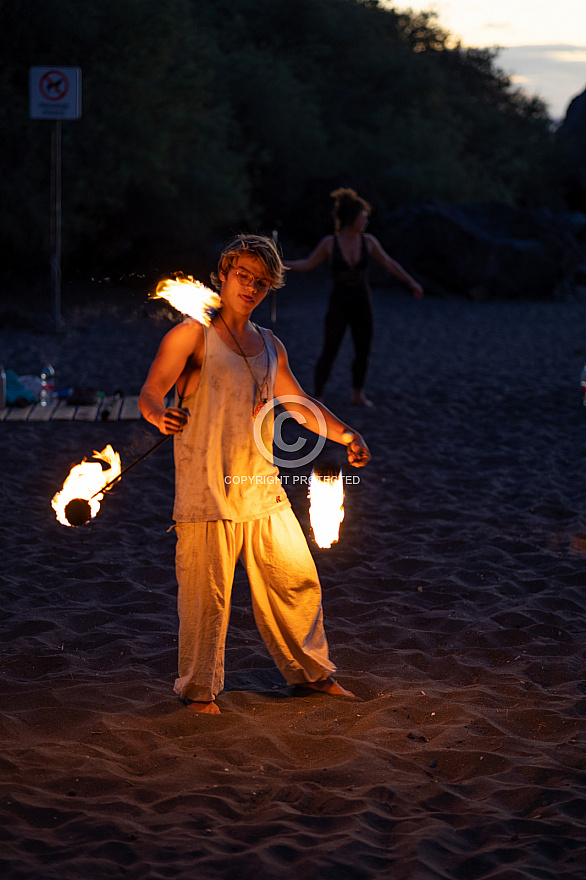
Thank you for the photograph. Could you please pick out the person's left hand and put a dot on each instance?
(417, 290)
(358, 451)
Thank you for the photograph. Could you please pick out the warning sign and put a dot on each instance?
(54, 85)
(55, 92)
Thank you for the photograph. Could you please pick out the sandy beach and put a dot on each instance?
(454, 605)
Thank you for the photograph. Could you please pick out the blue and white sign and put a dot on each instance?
(55, 92)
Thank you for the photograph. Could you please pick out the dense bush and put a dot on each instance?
(199, 117)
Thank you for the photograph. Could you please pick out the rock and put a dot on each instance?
(572, 135)
(486, 250)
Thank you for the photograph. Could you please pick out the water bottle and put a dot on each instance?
(583, 384)
(47, 384)
(2, 387)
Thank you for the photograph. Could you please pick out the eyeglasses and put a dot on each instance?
(246, 279)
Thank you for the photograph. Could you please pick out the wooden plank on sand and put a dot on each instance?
(19, 413)
(64, 412)
(130, 408)
(112, 407)
(122, 409)
(43, 413)
(87, 413)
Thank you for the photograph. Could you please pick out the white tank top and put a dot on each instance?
(219, 472)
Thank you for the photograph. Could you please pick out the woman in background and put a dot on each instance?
(348, 251)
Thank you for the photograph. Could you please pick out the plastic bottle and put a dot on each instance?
(47, 384)
(583, 384)
(2, 387)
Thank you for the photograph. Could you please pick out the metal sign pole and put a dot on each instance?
(55, 94)
(56, 221)
(275, 237)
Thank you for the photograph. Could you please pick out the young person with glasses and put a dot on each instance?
(229, 501)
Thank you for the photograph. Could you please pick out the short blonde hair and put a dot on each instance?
(260, 246)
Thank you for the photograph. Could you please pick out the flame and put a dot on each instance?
(85, 481)
(190, 297)
(326, 509)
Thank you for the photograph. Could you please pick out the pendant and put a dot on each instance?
(258, 407)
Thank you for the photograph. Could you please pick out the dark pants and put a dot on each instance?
(344, 311)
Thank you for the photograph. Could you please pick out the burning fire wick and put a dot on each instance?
(79, 499)
(326, 509)
(79, 510)
(190, 297)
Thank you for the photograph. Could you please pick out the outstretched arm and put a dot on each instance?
(317, 256)
(304, 407)
(377, 252)
(180, 354)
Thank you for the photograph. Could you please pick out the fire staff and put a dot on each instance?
(224, 375)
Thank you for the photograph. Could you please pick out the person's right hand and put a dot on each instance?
(173, 420)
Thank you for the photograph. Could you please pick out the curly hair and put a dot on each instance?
(347, 206)
(260, 246)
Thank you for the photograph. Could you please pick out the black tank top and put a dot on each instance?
(343, 273)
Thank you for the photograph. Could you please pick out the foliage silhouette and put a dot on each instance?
(201, 117)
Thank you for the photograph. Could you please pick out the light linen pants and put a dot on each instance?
(286, 599)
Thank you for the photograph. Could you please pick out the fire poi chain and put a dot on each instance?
(326, 500)
(326, 505)
(84, 487)
(79, 499)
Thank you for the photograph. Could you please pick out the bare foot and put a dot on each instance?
(359, 399)
(210, 708)
(328, 686)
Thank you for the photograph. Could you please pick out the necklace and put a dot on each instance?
(262, 391)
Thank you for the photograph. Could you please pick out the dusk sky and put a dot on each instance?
(543, 41)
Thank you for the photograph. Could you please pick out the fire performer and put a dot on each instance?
(223, 375)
